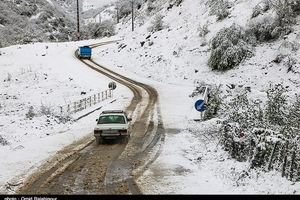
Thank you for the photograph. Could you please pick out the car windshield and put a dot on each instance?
(111, 119)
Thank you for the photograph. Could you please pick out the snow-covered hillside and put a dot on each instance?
(28, 21)
(177, 54)
(173, 58)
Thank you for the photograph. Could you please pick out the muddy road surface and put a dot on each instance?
(111, 168)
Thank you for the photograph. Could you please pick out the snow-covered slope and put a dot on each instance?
(178, 56)
(37, 79)
(35, 21)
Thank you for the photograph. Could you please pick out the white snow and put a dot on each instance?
(50, 2)
(192, 161)
(36, 16)
(98, 3)
(107, 14)
(44, 74)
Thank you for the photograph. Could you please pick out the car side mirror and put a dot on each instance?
(96, 120)
(129, 119)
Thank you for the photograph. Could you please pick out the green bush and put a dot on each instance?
(276, 105)
(229, 48)
(267, 136)
(214, 103)
(268, 28)
(271, 27)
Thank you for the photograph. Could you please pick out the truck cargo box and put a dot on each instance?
(85, 52)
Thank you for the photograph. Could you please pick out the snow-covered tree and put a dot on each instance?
(32, 21)
(229, 48)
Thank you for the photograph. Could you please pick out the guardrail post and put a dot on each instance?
(98, 97)
(75, 106)
(61, 109)
(68, 108)
(84, 103)
(90, 101)
(95, 99)
(102, 94)
(105, 94)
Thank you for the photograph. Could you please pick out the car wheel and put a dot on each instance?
(99, 140)
(125, 139)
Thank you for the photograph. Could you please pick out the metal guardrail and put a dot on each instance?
(86, 102)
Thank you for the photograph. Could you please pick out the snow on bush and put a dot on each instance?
(50, 112)
(275, 24)
(260, 8)
(294, 113)
(288, 47)
(33, 21)
(157, 23)
(219, 8)
(46, 110)
(203, 30)
(295, 6)
(124, 9)
(30, 113)
(97, 30)
(286, 56)
(263, 28)
(214, 103)
(276, 105)
(235, 141)
(229, 47)
(275, 113)
(267, 136)
(246, 113)
(174, 2)
(3, 141)
(284, 10)
(214, 99)
(150, 6)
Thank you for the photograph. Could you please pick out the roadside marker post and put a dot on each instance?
(200, 104)
(112, 85)
(200, 107)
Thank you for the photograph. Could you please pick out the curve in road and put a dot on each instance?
(112, 168)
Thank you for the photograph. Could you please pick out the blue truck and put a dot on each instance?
(85, 52)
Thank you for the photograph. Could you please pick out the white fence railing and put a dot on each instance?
(86, 102)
